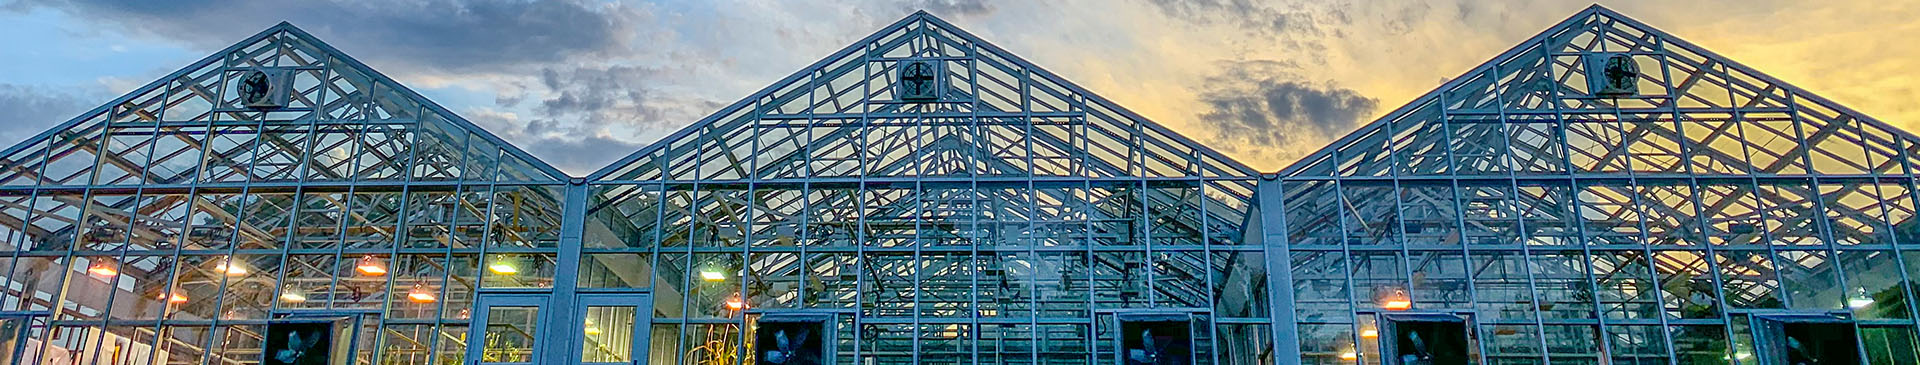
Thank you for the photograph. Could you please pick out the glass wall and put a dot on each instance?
(976, 209)
(1676, 223)
(1007, 220)
(171, 227)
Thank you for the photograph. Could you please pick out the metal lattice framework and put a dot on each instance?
(1579, 227)
(994, 220)
(172, 222)
(974, 209)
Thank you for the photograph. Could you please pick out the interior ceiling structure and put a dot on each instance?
(260, 202)
(1710, 152)
(926, 175)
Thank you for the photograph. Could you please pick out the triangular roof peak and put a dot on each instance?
(326, 117)
(1531, 110)
(988, 112)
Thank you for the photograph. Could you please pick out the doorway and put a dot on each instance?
(1426, 339)
(1807, 340)
(506, 329)
(613, 328)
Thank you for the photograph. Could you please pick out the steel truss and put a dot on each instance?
(1578, 227)
(1003, 221)
(212, 214)
(1007, 216)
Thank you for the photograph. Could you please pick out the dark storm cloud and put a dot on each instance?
(450, 35)
(27, 111)
(616, 94)
(576, 148)
(1259, 105)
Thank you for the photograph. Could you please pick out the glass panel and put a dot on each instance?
(1701, 344)
(616, 270)
(1890, 345)
(509, 336)
(519, 271)
(609, 335)
(665, 348)
(10, 338)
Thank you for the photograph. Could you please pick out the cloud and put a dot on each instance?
(580, 156)
(575, 148)
(1257, 17)
(1260, 108)
(29, 110)
(616, 94)
(950, 7)
(444, 35)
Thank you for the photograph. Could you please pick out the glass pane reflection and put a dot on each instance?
(609, 335)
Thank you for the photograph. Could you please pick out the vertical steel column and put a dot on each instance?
(558, 313)
(1272, 219)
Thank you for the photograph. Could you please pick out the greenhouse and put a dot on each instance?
(1602, 193)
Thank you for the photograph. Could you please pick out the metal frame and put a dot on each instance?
(829, 340)
(1666, 217)
(642, 331)
(1017, 215)
(543, 346)
(174, 178)
(1016, 192)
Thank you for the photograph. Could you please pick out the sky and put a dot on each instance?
(581, 83)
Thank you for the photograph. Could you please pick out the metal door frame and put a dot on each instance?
(483, 305)
(642, 303)
(1186, 315)
(1385, 322)
(829, 322)
(1769, 326)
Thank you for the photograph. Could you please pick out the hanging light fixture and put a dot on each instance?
(503, 265)
(1397, 301)
(103, 266)
(592, 330)
(1369, 333)
(1860, 299)
(292, 295)
(1349, 356)
(420, 294)
(370, 266)
(173, 297)
(231, 268)
(712, 275)
(735, 303)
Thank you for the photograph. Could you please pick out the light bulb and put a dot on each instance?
(291, 295)
(503, 267)
(1860, 300)
(1397, 304)
(1369, 333)
(1349, 356)
(103, 267)
(231, 268)
(370, 266)
(1397, 301)
(710, 275)
(420, 294)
